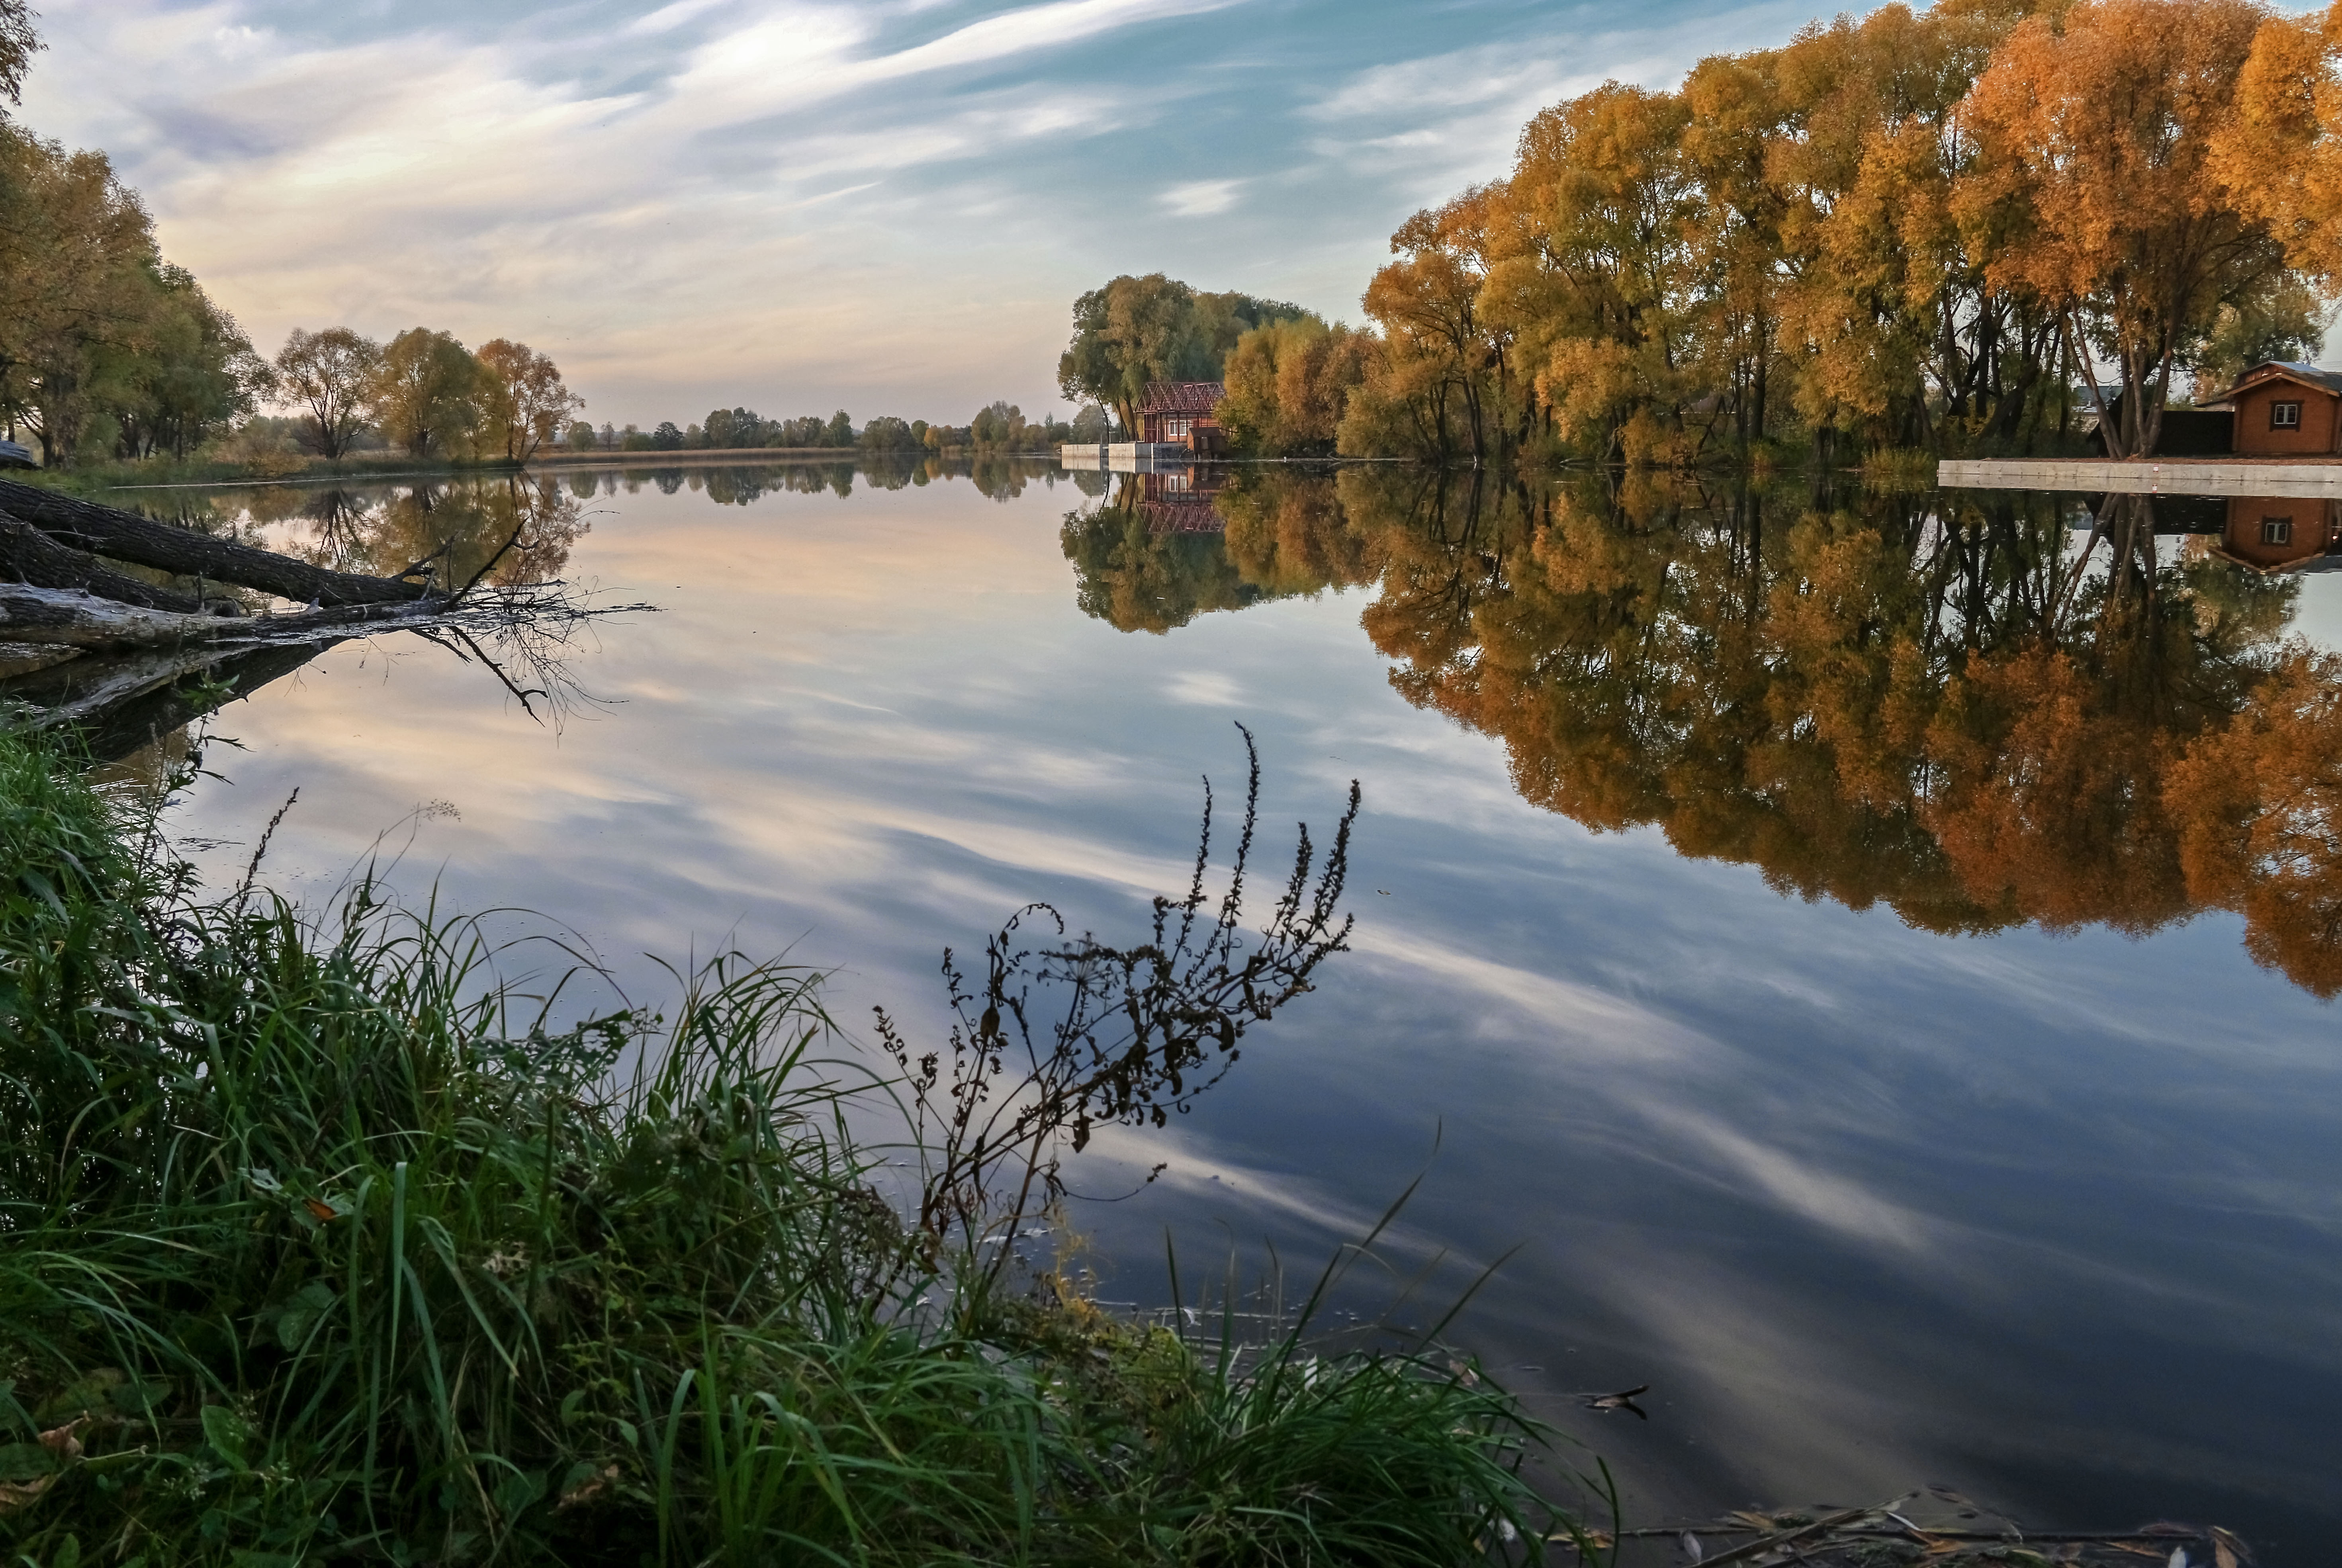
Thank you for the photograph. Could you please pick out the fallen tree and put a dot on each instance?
(101, 530)
(121, 659)
(81, 619)
(29, 556)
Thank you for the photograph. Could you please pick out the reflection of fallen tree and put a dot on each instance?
(1937, 1526)
(125, 660)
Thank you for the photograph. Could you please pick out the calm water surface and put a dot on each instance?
(1873, 1083)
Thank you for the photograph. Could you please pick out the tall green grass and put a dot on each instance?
(317, 1243)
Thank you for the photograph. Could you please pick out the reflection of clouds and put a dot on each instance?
(1870, 1203)
(1203, 689)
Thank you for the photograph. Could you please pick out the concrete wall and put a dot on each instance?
(2146, 478)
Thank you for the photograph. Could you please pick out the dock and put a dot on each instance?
(2220, 476)
(1127, 457)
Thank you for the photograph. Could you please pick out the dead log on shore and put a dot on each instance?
(43, 615)
(29, 556)
(127, 537)
(118, 702)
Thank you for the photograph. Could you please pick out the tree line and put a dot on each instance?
(109, 350)
(422, 391)
(1918, 230)
(999, 427)
(104, 346)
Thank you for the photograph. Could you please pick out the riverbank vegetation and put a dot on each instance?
(1906, 232)
(322, 1242)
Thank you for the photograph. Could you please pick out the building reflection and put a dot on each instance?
(1179, 500)
(2283, 533)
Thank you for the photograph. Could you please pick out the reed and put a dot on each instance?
(319, 1242)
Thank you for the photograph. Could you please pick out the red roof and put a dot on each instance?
(1181, 396)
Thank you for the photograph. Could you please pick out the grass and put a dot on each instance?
(317, 1243)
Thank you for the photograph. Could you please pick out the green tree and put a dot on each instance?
(889, 434)
(1289, 385)
(80, 273)
(428, 394)
(329, 377)
(1135, 330)
(196, 376)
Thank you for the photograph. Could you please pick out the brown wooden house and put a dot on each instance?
(1179, 413)
(2282, 533)
(2286, 409)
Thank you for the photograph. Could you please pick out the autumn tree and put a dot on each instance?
(1134, 330)
(1289, 385)
(1443, 360)
(79, 270)
(522, 399)
(2257, 801)
(18, 44)
(1591, 273)
(2096, 139)
(329, 376)
(426, 393)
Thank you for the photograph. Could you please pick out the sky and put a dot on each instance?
(886, 207)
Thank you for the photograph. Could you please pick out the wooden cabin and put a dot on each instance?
(1179, 413)
(2285, 408)
(2281, 533)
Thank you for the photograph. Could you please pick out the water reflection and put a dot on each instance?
(1937, 702)
(2049, 1221)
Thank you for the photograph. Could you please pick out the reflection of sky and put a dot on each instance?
(797, 205)
(2053, 1220)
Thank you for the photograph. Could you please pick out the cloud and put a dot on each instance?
(1200, 198)
(802, 201)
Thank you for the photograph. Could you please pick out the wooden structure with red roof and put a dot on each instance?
(1179, 413)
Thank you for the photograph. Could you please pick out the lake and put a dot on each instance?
(1870, 1052)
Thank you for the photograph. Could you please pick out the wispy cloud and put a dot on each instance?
(797, 200)
(1201, 198)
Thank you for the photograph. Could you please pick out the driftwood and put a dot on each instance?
(1935, 1526)
(41, 615)
(29, 556)
(119, 702)
(121, 661)
(127, 537)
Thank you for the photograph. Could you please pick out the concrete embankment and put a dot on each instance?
(2210, 476)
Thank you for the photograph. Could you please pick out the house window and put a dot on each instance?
(2278, 531)
(2284, 416)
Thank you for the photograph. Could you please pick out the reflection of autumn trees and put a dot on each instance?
(518, 529)
(1932, 703)
(1280, 537)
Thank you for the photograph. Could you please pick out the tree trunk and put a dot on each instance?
(60, 615)
(126, 536)
(29, 556)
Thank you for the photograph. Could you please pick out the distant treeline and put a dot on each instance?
(1956, 229)
(110, 352)
(1000, 427)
